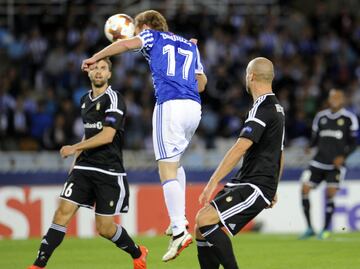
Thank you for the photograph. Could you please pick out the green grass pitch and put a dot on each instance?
(253, 251)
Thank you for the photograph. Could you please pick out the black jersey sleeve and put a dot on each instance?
(115, 111)
(255, 124)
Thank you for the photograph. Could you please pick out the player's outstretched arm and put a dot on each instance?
(106, 136)
(231, 159)
(115, 48)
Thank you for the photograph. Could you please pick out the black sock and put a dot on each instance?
(221, 244)
(207, 255)
(329, 210)
(306, 209)
(49, 243)
(124, 241)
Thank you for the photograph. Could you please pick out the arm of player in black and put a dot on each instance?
(106, 136)
(350, 146)
(282, 161)
(230, 160)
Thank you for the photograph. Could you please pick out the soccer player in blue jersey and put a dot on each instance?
(178, 78)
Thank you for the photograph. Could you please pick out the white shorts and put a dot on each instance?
(174, 123)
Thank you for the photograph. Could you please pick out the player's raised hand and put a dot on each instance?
(88, 64)
(67, 151)
(206, 194)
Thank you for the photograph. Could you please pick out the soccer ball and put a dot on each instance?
(119, 26)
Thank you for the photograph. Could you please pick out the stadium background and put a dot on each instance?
(315, 45)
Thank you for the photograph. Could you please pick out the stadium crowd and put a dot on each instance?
(41, 81)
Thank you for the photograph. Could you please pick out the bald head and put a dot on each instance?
(262, 70)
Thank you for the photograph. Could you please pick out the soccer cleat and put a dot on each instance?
(324, 234)
(35, 267)
(169, 231)
(140, 263)
(177, 246)
(307, 234)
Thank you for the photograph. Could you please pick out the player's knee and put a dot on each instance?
(203, 217)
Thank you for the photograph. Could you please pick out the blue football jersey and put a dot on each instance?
(174, 62)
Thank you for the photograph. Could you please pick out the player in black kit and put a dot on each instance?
(97, 176)
(334, 133)
(254, 186)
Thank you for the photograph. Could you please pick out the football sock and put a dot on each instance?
(49, 243)
(306, 209)
(181, 177)
(206, 255)
(175, 205)
(221, 244)
(123, 240)
(330, 206)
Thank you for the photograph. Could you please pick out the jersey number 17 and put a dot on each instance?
(170, 51)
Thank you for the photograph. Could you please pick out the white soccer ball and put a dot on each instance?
(119, 26)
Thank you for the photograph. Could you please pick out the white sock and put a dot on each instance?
(181, 177)
(175, 204)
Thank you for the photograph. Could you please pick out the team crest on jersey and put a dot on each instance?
(98, 106)
(323, 121)
(340, 122)
(229, 199)
(83, 106)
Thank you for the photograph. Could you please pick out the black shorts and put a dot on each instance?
(110, 193)
(238, 204)
(313, 176)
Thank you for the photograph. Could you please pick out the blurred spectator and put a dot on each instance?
(41, 76)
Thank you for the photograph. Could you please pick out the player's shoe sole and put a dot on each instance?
(35, 267)
(177, 246)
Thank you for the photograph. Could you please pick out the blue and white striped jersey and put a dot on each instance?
(174, 62)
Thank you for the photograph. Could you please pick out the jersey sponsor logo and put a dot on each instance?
(331, 133)
(98, 125)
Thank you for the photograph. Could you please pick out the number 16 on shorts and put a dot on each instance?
(67, 190)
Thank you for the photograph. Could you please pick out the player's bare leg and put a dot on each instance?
(305, 191)
(175, 204)
(56, 233)
(207, 222)
(330, 206)
(108, 229)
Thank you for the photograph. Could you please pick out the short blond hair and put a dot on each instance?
(153, 19)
